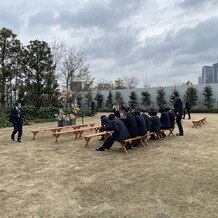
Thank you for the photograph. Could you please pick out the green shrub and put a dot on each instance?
(86, 112)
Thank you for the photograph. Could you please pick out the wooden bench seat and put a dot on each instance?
(88, 137)
(199, 121)
(141, 139)
(170, 131)
(58, 129)
(76, 132)
(158, 135)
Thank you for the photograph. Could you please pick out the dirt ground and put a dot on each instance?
(176, 177)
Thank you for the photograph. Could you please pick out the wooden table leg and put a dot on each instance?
(123, 148)
(34, 134)
(87, 142)
(57, 138)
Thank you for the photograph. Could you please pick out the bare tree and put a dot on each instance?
(75, 69)
(130, 81)
(58, 50)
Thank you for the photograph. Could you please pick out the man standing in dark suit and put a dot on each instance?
(178, 110)
(16, 119)
(120, 133)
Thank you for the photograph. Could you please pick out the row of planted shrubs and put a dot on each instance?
(45, 114)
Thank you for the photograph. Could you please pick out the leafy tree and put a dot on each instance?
(208, 97)
(118, 98)
(161, 97)
(99, 99)
(133, 99)
(88, 98)
(146, 98)
(10, 56)
(191, 95)
(109, 102)
(173, 93)
(41, 80)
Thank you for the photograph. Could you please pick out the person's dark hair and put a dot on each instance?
(103, 116)
(137, 111)
(161, 110)
(176, 95)
(152, 112)
(127, 109)
(167, 109)
(16, 103)
(111, 116)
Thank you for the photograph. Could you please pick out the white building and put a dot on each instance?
(168, 90)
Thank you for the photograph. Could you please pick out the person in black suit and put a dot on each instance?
(172, 117)
(120, 133)
(147, 120)
(130, 123)
(178, 110)
(187, 111)
(141, 124)
(164, 119)
(155, 123)
(106, 125)
(17, 121)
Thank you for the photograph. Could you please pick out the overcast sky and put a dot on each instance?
(162, 42)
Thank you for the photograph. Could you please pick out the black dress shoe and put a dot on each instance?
(18, 140)
(100, 149)
(12, 138)
(178, 134)
(128, 146)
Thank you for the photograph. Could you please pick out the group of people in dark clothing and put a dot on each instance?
(134, 123)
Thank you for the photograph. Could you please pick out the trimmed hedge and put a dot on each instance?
(45, 114)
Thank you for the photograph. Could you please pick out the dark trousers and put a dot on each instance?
(19, 129)
(109, 142)
(179, 123)
(189, 115)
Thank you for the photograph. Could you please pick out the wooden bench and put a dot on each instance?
(199, 121)
(158, 135)
(76, 132)
(141, 139)
(88, 137)
(58, 129)
(170, 131)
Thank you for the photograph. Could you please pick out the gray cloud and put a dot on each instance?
(168, 40)
(195, 3)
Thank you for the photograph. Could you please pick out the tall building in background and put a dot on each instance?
(200, 80)
(215, 72)
(207, 74)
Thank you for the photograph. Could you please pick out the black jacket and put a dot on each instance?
(120, 131)
(16, 116)
(178, 106)
(142, 128)
(165, 120)
(131, 125)
(148, 121)
(155, 123)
